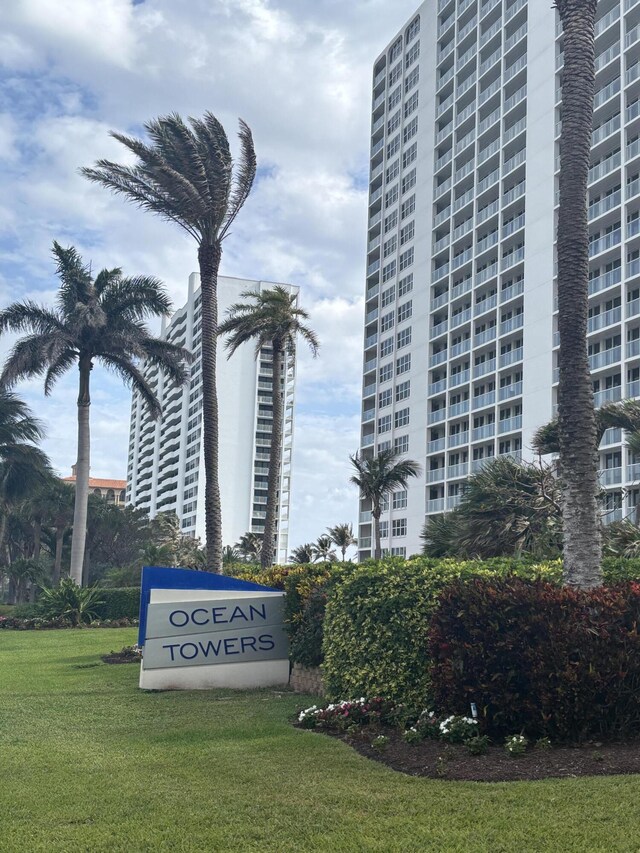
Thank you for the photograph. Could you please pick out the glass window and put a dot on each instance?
(384, 423)
(405, 284)
(399, 527)
(401, 444)
(384, 398)
(386, 372)
(399, 500)
(403, 364)
(404, 338)
(401, 417)
(405, 311)
(403, 390)
(407, 207)
(409, 155)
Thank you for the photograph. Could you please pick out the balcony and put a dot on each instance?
(484, 400)
(607, 241)
(460, 378)
(460, 318)
(605, 358)
(508, 392)
(608, 395)
(602, 282)
(510, 424)
(436, 475)
(436, 417)
(485, 336)
(512, 291)
(511, 357)
(438, 358)
(460, 348)
(484, 367)
(436, 446)
(459, 438)
(511, 324)
(484, 431)
(610, 476)
(460, 470)
(457, 409)
(437, 387)
(436, 505)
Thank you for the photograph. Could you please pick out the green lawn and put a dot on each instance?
(90, 763)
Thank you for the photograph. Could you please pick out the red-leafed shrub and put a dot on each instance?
(536, 658)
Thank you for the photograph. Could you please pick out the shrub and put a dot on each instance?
(539, 659)
(457, 729)
(119, 603)
(478, 745)
(68, 601)
(349, 713)
(516, 745)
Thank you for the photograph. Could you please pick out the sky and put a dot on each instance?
(299, 73)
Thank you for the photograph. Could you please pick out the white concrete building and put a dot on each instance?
(166, 469)
(460, 327)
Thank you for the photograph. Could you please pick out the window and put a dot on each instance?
(410, 130)
(405, 311)
(385, 373)
(406, 259)
(403, 364)
(384, 529)
(384, 423)
(384, 398)
(411, 79)
(384, 445)
(391, 196)
(394, 122)
(388, 271)
(407, 207)
(401, 444)
(401, 417)
(386, 347)
(409, 155)
(395, 50)
(399, 527)
(409, 181)
(399, 500)
(411, 105)
(407, 233)
(395, 98)
(386, 322)
(390, 221)
(403, 390)
(399, 552)
(404, 338)
(405, 285)
(392, 171)
(393, 146)
(388, 296)
(412, 54)
(413, 29)
(395, 74)
(389, 246)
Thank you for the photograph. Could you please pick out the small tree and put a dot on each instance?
(303, 554)
(377, 477)
(323, 551)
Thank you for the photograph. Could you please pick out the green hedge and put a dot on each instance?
(119, 603)
(377, 619)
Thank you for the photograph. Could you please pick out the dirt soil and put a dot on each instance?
(439, 760)
(125, 655)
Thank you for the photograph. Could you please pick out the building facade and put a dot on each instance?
(113, 491)
(166, 468)
(460, 360)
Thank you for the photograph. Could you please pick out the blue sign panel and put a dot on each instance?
(156, 577)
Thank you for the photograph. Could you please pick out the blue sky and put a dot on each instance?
(299, 73)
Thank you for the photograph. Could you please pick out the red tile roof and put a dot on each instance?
(96, 483)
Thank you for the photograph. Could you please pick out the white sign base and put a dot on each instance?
(242, 676)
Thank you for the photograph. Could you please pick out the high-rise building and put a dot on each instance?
(460, 328)
(166, 468)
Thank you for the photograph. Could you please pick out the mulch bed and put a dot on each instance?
(126, 655)
(438, 760)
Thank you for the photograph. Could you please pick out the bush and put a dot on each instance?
(119, 603)
(539, 659)
(68, 601)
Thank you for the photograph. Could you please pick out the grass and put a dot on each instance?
(90, 763)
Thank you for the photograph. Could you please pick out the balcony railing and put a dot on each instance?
(510, 424)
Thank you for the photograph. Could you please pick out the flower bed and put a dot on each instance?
(13, 623)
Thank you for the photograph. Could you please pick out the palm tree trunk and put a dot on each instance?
(275, 456)
(344, 552)
(375, 514)
(37, 538)
(209, 254)
(57, 564)
(82, 474)
(576, 415)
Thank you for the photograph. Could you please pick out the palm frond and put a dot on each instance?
(243, 177)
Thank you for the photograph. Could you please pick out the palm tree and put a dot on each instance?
(94, 320)
(23, 466)
(249, 545)
(187, 175)
(576, 418)
(230, 555)
(323, 551)
(342, 536)
(303, 554)
(272, 319)
(377, 477)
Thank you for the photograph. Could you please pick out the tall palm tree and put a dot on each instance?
(342, 537)
(23, 466)
(576, 419)
(187, 175)
(303, 554)
(323, 551)
(94, 320)
(272, 319)
(377, 477)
